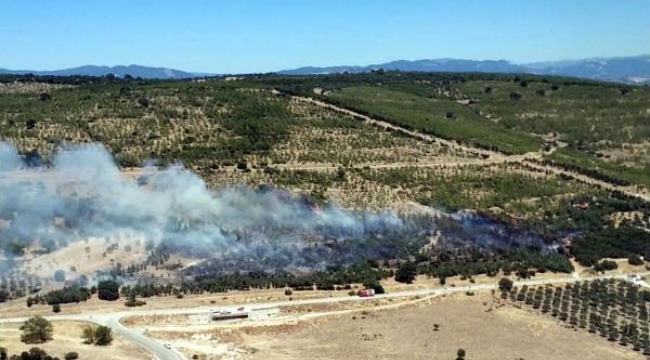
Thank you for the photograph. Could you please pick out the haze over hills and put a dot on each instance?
(120, 70)
(634, 69)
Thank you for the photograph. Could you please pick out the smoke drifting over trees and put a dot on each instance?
(83, 194)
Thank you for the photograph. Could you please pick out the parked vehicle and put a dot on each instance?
(366, 292)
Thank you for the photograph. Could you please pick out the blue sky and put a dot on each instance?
(257, 36)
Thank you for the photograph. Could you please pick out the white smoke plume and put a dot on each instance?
(83, 193)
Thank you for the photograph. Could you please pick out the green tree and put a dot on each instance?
(460, 354)
(103, 336)
(635, 260)
(341, 174)
(100, 335)
(406, 273)
(505, 284)
(606, 265)
(36, 330)
(108, 290)
(88, 334)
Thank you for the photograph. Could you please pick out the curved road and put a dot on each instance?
(162, 353)
(150, 345)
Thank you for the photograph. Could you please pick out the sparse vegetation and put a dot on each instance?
(97, 335)
(242, 131)
(36, 330)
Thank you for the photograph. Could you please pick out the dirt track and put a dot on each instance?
(529, 160)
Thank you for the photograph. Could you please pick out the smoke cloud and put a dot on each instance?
(84, 194)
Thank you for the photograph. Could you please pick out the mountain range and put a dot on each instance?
(145, 72)
(631, 69)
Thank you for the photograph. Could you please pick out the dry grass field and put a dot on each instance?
(67, 338)
(85, 257)
(414, 329)
(409, 333)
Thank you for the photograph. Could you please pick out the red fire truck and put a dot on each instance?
(366, 292)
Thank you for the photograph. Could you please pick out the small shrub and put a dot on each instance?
(103, 336)
(30, 124)
(135, 303)
(461, 353)
(505, 284)
(515, 96)
(634, 260)
(143, 102)
(606, 265)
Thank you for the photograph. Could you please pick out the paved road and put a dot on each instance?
(161, 353)
(158, 349)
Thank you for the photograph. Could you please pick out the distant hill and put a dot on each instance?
(634, 69)
(438, 65)
(121, 71)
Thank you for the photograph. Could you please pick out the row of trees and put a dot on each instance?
(336, 278)
(35, 354)
(70, 79)
(106, 290)
(620, 242)
(68, 294)
(15, 284)
(615, 310)
(524, 263)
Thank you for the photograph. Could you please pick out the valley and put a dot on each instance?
(287, 191)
